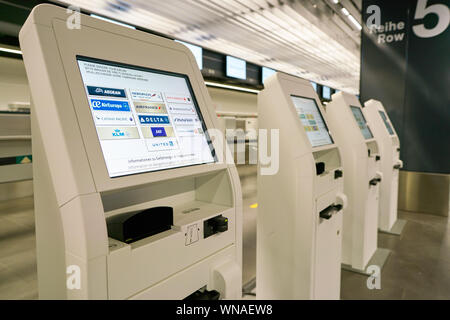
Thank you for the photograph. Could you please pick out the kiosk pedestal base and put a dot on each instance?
(396, 229)
(379, 258)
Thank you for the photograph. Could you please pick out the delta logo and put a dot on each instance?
(153, 119)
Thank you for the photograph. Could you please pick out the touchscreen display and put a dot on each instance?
(359, 117)
(312, 121)
(386, 123)
(146, 120)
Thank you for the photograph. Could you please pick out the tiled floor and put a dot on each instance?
(18, 278)
(418, 267)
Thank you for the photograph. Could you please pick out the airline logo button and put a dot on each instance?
(114, 133)
(182, 109)
(106, 92)
(178, 98)
(113, 118)
(154, 119)
(158, 132)
(109, 105)
(146, 95)
(186, 120)
(150, 107)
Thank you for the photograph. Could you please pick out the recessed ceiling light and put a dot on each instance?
(11, 50)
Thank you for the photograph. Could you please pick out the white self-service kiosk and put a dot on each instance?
(389, 147)
(300, 207)
(132, 197)
(361, 158)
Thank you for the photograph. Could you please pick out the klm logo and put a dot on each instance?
(118, 133)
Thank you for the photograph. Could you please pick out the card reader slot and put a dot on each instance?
(134, 226)
(374, 181)
(328, 212)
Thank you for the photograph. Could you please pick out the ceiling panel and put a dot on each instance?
(305, 38)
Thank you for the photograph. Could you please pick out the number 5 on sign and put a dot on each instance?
(442, 12)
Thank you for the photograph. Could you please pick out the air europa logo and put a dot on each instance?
(109, 105)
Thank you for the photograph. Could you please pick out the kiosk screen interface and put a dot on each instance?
(312, 121)
(146, 120)
(359, 117)
(386, 123)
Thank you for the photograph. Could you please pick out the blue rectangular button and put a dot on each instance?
(154, 119)
(106, 92)
(109, 105)
(158, 132)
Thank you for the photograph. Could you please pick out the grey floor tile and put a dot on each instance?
(418, 268)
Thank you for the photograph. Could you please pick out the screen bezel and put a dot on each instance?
(365, 122)
(386, 123)
(151, 70)
(321, 116)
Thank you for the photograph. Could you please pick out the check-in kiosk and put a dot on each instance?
(132, 197)
(389, 147)
(361, 159)
(300, 207)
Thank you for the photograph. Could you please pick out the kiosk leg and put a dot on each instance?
(396, 229)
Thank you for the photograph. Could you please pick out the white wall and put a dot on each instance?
(13, 82)
(233, 101)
